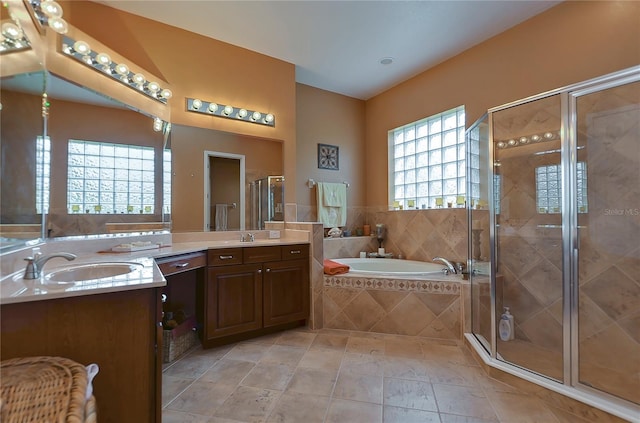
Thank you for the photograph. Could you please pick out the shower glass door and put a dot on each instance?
(607, 202)
(528, 235)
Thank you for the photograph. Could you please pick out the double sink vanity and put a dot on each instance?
(107, 308)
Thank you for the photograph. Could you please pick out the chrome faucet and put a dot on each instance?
(35, 263)
(248, 237)
(450, 267)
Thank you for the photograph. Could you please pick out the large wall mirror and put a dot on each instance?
(102, 168)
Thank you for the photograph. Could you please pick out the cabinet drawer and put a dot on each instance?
(294, 251)
(261, 254)
(176, 264)
(225, 256)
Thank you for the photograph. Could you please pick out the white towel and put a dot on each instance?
(221, 217)
(332, 204)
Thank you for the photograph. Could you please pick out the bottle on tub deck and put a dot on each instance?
(506, 327)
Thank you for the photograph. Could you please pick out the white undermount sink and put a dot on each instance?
(90, 271)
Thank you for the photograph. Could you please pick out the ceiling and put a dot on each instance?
(337, 45)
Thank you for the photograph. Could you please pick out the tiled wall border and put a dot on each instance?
(384, 284)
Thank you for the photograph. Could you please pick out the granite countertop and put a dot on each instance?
(15, 289)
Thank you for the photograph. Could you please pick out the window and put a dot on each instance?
(106, 178)
(428, 161)
(166, 181)
(43, 169)
(548, 188)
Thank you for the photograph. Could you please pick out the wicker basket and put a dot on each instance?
(178, 340)
(44, 389)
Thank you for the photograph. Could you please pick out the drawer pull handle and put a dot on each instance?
(226, 257)
(180, 265)
(294, 252)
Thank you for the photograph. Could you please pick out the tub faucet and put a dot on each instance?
(450, 267)
(35, 263)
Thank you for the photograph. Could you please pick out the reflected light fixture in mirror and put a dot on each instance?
(214, 109)
(524, 140)
(101, 62)
(13, 38)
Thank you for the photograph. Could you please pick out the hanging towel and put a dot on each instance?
(334, 268)
(221, 217)
(332, 204)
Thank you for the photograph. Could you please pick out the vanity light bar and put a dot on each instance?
(49, 12)
(101, 62)
(532, 139)
(230, 112)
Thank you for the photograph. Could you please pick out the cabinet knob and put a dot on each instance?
(259, 270)
(268, 270)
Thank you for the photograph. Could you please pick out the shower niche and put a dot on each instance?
(267, 201)
(557, 243)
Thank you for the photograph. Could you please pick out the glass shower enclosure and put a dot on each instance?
(554, 248)
(267, 201)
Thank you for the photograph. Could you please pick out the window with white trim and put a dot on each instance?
(428, 162)
(107, 178)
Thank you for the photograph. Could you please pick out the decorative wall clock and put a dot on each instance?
(328, 157)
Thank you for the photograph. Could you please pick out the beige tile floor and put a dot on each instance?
(342, 377)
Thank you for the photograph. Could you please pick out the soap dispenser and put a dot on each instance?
(506, 327)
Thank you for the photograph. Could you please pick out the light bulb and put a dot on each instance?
(524, 140)
(256, 116)
(157, 124)
(51, 9)
(213, 107)
(11, 31)
(139, 78)
(535, 138)
(268, 118)
(196, 104)
(548, 135)
(59, 25)
(103, 59)
(122, 69)
(512, 142)
(501, 144)
(166, 93)
(228, 110)
(81, 47)
(242, 113)
(153, 87)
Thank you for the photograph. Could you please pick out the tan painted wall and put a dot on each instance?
(200, 67)
(328, 118)
(569, 43)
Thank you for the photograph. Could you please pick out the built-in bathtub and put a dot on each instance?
(390, 267)
(393, 296)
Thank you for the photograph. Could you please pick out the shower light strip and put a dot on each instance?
(230, 112)
(101, 62)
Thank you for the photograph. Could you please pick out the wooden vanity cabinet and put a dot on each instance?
(285, 287)
(254, 290)
(119, 331)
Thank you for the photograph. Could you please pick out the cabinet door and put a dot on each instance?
(234, 300)
(286, 291)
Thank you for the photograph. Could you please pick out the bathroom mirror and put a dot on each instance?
(22, 82)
